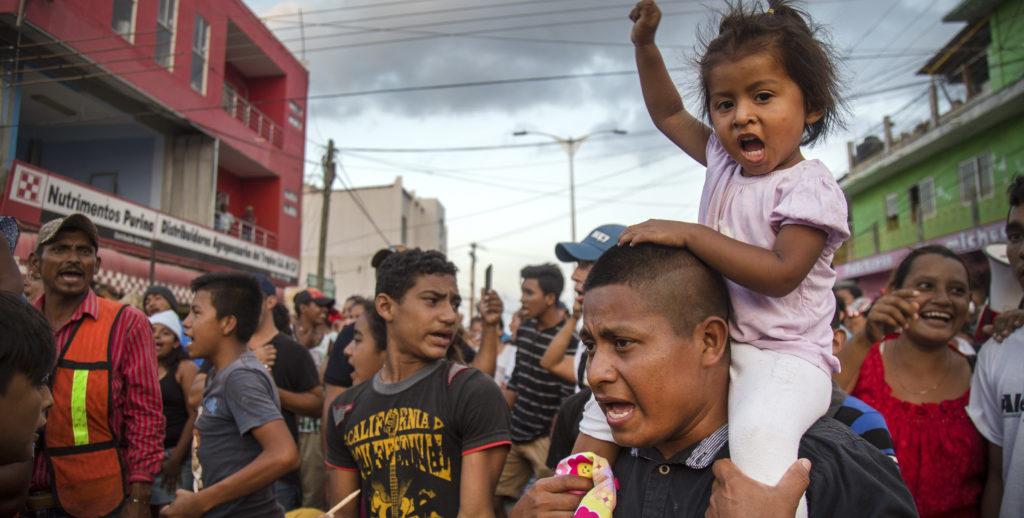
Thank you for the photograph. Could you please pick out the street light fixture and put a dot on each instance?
(570, 145)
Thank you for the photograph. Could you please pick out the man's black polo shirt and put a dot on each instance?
(850, 478)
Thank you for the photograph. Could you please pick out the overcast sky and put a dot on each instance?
(413, 87)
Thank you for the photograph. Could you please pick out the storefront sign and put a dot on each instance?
(36, 195)
(969, 240)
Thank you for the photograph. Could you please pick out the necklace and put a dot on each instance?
(898, 362)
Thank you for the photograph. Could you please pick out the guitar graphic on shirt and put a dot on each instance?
(394, 504)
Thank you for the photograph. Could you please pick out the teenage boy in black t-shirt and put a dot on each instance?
(297, 386)
(425, 436)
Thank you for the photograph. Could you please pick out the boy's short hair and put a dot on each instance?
(235, 294)
(548, 276)
(28, 347)
(1016, 190)
(673, 282)
(398, 273)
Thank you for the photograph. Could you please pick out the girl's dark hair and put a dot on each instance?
(378, 328)
(282, 320)
(454, 352)
(176, 356)
(899, 275)
(783, 30)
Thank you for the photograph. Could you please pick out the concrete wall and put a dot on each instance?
(352, 239)
(1006, 51)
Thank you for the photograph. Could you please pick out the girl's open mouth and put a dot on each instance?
(752, 148)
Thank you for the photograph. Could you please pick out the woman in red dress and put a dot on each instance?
(906, 365)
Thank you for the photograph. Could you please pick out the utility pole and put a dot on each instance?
(325, 211)
(472, 280)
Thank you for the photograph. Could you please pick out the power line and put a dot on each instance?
(359, 202)
(529, 199)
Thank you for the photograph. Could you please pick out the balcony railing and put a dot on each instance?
(254, 233)
(241, 109)
(245, 231)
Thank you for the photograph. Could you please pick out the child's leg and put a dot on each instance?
(595, 434)
(594, 423)
(773, 399)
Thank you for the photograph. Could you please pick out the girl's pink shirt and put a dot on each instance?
(752, 209)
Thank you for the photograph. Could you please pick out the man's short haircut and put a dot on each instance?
(671, 280)
(1016, 191)
(398, 273)
(28, 347)
(548, 276)
(235, 294)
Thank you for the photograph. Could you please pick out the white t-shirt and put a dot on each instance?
(504, 365)
(997, 398)
(581, 356)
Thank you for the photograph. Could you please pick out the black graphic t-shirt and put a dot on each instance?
(407, 439)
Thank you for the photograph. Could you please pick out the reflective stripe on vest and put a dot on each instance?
(87, 469)
(79, 418)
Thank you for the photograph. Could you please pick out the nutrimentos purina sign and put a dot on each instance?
(33, 194)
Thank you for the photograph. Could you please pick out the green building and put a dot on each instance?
(943, 180)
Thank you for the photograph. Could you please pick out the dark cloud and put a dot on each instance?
(354, 65)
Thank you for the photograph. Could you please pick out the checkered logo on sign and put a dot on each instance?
(28, 188)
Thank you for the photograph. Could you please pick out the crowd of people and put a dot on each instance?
(709, 369)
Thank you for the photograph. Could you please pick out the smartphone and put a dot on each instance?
(487, 277)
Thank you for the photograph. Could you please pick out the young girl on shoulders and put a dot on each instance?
(770, 220)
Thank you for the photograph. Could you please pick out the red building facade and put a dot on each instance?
(190, 112)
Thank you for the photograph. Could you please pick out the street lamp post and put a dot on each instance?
(570, 145)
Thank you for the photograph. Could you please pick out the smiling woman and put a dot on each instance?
(915, 376)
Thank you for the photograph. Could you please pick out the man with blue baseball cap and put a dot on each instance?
(572, 368)
(584, 254)
(597, 241)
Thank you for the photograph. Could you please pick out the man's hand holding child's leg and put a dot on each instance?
(735, 494)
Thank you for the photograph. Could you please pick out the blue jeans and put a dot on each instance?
(288, 495)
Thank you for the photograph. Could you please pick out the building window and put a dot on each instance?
(291, 210)
(291, 196)
(926, 197)
(122, 19)
(294, 106)
(166, 19)
(294, 121)
(200, 52)
(975, 178)
(105, 181)
(892, 211)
